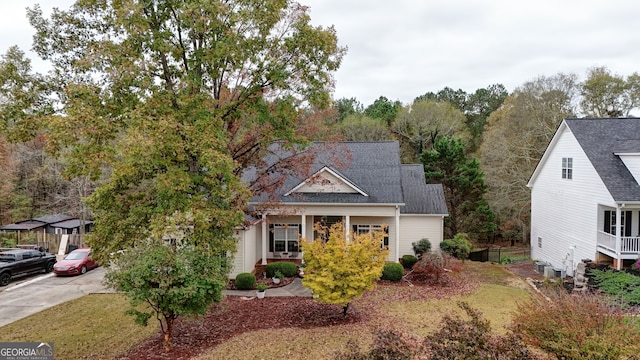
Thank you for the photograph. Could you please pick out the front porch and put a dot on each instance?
(628, 246)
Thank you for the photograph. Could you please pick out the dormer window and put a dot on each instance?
(567, 168)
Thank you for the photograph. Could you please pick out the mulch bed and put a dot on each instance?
(236, 315)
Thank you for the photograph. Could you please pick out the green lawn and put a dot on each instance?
(91, 327)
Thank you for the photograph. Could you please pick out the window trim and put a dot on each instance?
(567, 168)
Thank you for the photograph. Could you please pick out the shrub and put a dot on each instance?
(458, 247)
(577, 326)
(472, 339)
(288, 269)
(392, 272)
(429, 267)
(245, 281)
(408, 261)
(421, 246)
(387, 345)
(620, 284)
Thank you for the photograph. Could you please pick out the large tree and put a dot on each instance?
(476, 106)
(178, 97)
(464, 188)
(359, 127)
(609, 95)
(383, 109)
(417, 126)
(516, 137)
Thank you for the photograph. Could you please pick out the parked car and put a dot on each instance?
(17, 262)
(74, 263)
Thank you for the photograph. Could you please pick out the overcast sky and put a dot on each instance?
(404, 48)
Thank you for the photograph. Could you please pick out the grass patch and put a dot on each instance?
(91, 327)
(496, 302)
(290, 343)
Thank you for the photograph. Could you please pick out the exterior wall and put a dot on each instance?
(564, 213)
(414, 228)
(245, 256)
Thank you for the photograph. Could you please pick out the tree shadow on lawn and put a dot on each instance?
(235, 315)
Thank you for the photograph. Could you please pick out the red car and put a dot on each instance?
(76, 262)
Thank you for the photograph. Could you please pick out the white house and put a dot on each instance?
(361, 184)
(585, 194)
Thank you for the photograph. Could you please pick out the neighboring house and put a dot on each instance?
(50, 224)
(363, 185)
(585, 194)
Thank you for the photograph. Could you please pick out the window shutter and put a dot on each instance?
(271, 237)
(627, 223)
(607, 222)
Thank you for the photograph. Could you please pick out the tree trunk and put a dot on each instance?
(344, 310)
(167, 333)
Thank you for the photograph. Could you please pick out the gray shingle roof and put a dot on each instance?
(421, 198)
(374, 167)
(54, 218)
(70, 224)
(601, 139)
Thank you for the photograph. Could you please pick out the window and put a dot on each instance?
(367, 229)
(610, 222)
(567, 168)
(284, 237)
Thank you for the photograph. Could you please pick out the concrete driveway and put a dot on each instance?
(27, 296)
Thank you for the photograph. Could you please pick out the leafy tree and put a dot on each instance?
(24, 96)
(178, 98)
(363, 128)
(517, 135)
(463, 185)
(418, 125)
(479, 106)
(383, 109)
(7, 178)
(162, 277)
(609, 95)
(348, 107)
(338, 271)
(476, 106)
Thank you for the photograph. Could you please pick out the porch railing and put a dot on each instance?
(628, 244)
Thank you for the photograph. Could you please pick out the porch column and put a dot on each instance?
(303, 225)
(347, 226)
(264, 239)
(618, 240)
(397, 255)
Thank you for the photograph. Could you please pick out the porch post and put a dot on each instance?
(397, 255)
(303, 225)
(618, 239)
(264, 239)
(347, 226)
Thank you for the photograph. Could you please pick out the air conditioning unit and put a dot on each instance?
(560, 274)
(549, 272)
(540, 266)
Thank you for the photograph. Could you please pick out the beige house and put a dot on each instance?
(361, 184)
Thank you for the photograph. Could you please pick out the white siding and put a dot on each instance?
(632, 162)
(414, 228)
(247, 248)
(564, 213)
